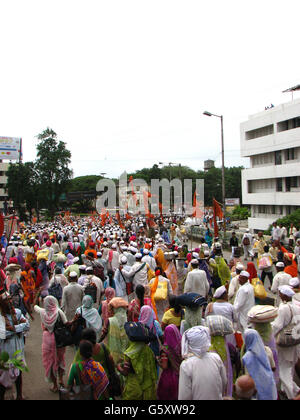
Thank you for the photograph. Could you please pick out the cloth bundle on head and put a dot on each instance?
(118, 302)
(195, 342)
(191, 300)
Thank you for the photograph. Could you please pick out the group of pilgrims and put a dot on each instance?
(147, 316)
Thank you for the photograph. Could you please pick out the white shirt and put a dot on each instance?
(243, 302)
(202, 378)
(196, 282)
(150, 261)
(139, 278)
(280, 279)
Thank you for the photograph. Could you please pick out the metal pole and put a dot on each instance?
(223, 175)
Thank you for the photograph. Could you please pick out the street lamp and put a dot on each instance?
(209, 114)
(102, 174)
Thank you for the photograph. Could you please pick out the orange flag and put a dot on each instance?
(132, 190)
(217, 213)
(119, 220)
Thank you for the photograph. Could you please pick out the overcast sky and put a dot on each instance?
(124, 83)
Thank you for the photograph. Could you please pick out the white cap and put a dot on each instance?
(146, 251)
(294, 282)
(245, 274)
(138, 256)
(114, 246)
(82, 267)
(219, 292)
(286, 290)
(123, 259)
(76, 259)
(73, 274)
(240, 266)
(194, 261)
(206, 253)
(280, 264)
(195, 255)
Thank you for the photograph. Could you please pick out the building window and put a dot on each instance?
(259, 132)
(288, 124)
(278, 157)
(290, 154)
(279, 184)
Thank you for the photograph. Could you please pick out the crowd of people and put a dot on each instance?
(147, 317)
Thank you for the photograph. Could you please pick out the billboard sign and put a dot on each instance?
(10, 148)
(232, 202)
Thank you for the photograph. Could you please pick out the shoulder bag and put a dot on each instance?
(62, 333)
(287, 337)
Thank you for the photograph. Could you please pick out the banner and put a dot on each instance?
(10, 148)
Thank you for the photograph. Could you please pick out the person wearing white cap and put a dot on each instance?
(234, 283)
(287, 356)
(138, 272)
(280, 279)
(72, 296)
(120, 279)
(247, 241)
(73, 267)
(148, 259)
(244, 300)
(113, 258)
(196, 280)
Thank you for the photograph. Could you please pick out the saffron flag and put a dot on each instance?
(217, 213)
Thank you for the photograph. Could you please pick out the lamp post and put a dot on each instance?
(209, 114)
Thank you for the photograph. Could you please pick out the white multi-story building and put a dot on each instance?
(271, 186)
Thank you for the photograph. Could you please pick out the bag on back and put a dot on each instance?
(136, 331)
(264, 262)
(259, 289)
(289, 336)
(161, 291)
(91, 290)
(246, 241)
(56, 291)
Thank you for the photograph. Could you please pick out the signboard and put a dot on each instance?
(10, 148)
(231, 202)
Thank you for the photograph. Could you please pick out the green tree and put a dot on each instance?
(52, 166)
(22, 187)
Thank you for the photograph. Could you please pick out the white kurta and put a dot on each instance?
(202, 378)
(243, 302)
(280, 279)
(287, 356)
(196, 282)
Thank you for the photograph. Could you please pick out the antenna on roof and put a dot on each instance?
(292, 90)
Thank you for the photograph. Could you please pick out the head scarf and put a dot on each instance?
(110, 293)
(223, 270)
(251, 270)
(147, 316)
(257, 364)
(195, 342)
(70, 259)
(50, 312)
(172, 346)
(90, 314)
